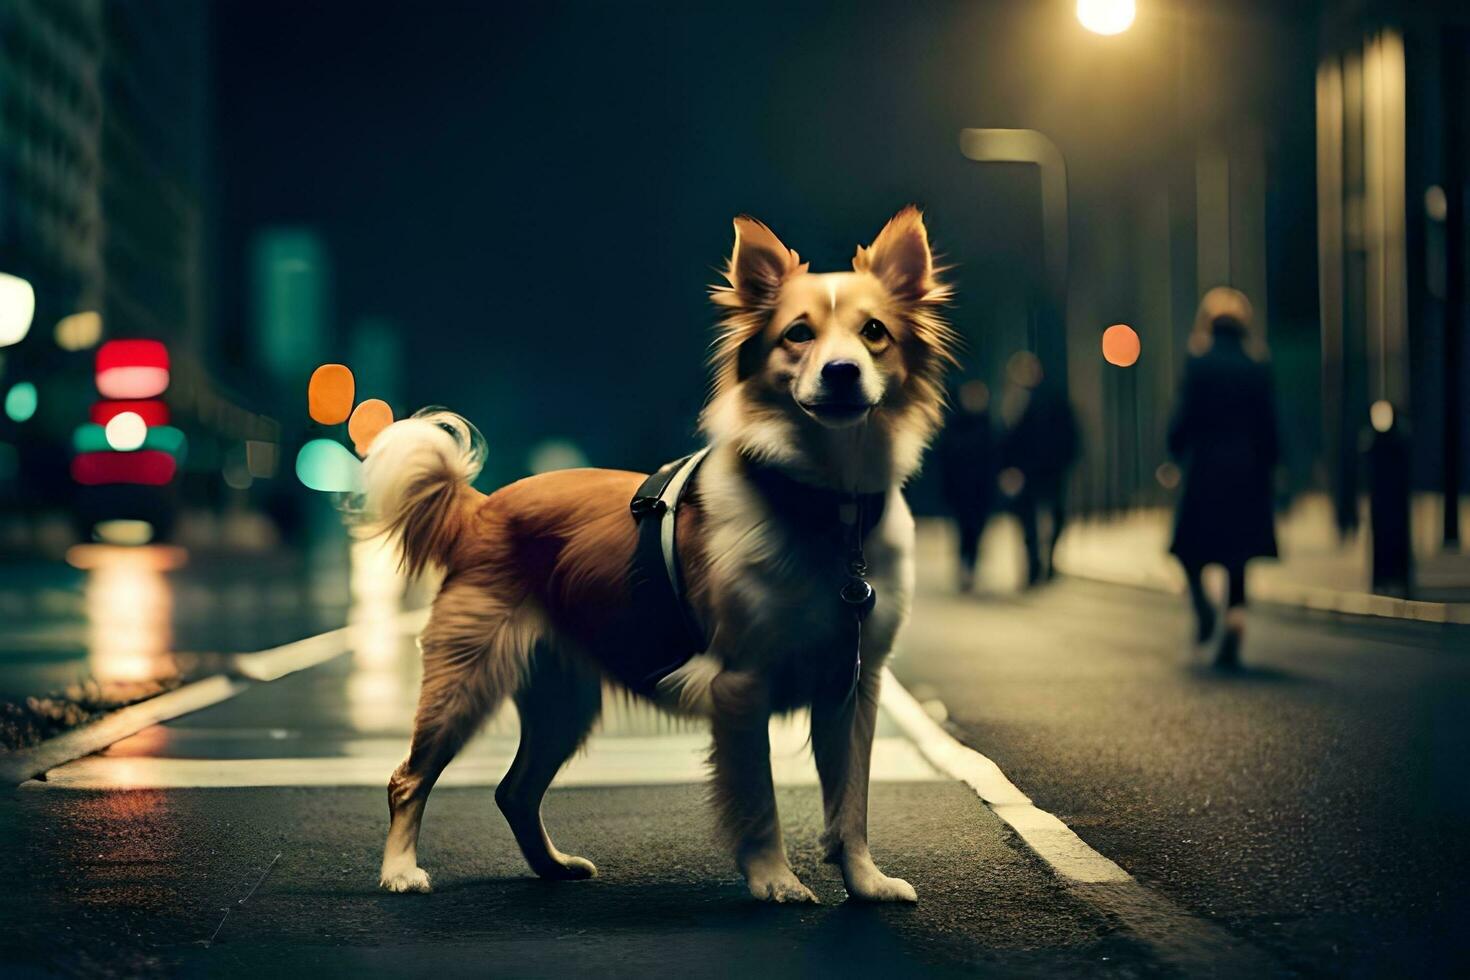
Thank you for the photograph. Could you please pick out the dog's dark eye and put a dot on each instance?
(799, 333)
(874, 331)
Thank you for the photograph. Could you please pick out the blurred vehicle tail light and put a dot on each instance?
(128, 440)
(132, 368)
(154, 412)
(151, 467)
(92, 438)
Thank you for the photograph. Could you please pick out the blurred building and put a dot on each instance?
(51, 146)
(1392, 97)
(290, 297)
(1311, 155)
(104, 172)
(102, 131)
(155, 128)
(1188, 148)
(51, 218)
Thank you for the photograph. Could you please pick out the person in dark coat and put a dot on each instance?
(1223, 433)
(1039, 447)
(967, 472)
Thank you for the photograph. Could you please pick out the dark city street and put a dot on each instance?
(973, 488)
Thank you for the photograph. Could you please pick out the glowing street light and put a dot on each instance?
(79, 331)
(327, 465)
(20, 401)
(1120, 345)
(126, 431)
(329, 394)
(1106, 16)
(17, 309)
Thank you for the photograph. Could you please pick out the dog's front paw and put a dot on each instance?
(411, 880)
(872, 885)
(779, 885)
(565, 867)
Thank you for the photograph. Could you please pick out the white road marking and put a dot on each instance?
(277, 662)
(623, 761)
(1193, 946)
(1053, 841)
(924, 753)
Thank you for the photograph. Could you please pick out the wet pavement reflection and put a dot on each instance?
(381, 679)
(118, 615)
(129, 608)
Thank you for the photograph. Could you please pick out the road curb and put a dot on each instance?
(246, 670)
(19, 766)
(1313, 598)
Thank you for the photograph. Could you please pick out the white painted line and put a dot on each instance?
(1053, 841)
(23, 764)
(277, 662)
(942, 749)
(661, 760)
(1192, 946)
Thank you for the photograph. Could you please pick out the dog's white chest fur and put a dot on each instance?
(775, 591)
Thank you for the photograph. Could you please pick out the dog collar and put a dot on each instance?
(816, 510)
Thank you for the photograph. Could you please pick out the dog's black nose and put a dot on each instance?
(841, 372)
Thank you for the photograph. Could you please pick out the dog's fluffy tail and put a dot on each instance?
(417, 477)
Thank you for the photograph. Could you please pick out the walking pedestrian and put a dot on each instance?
(1223, 433)
(967, 472)
(1039, 447)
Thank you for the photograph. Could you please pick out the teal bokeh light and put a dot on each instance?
(21, 401)
(329, 466)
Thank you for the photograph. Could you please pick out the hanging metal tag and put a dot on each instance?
(859, 594)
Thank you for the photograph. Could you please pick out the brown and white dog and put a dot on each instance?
(832, 381)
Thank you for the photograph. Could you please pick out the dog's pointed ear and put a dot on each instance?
(900, 256)
(759, 263)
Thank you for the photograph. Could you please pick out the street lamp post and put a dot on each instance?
(1035, 148)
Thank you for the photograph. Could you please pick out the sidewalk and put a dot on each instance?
(1315, 571)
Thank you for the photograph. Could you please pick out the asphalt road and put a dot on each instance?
(1314, 803)
(1311, 805)
(139, 882)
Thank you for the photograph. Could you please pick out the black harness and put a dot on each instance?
(657, 583)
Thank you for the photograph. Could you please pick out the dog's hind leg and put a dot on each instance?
(558, 704)
(474, 651)
(842, 741)
(743, 793)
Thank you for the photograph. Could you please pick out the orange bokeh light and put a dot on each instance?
(1120, 345)
(329, 395)
(368, 419)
